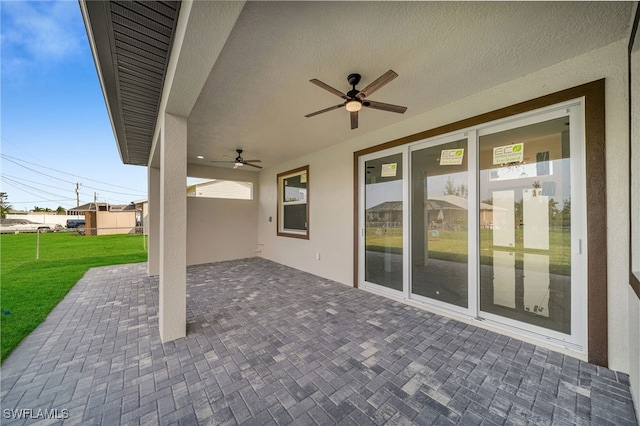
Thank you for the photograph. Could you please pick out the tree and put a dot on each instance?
(4, 207)
(40, 209)
(61, 210)
(450, 188)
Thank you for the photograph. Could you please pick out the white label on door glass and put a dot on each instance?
(451, 157)
(508, 153)
(389, 170)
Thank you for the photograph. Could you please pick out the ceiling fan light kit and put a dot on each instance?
(355, 99)
(353, 105)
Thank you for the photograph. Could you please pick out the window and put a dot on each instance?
(218, 188)
(293, 203)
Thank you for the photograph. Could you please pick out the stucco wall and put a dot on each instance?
(331, 186)
(109, 223)
(221, 229)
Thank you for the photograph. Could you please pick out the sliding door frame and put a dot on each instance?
(593, 95)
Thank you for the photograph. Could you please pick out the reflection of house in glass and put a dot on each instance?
(389, 212)
(447, 212)
(450, 212)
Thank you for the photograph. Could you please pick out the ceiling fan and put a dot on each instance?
(239, 161)
(355, 99)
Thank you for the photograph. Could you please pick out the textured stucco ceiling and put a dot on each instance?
(258, 91)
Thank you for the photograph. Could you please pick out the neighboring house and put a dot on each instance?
(89, 207)
(389, 211)
(506, 97)
(105, 219)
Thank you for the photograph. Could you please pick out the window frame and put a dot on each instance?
(281, 231)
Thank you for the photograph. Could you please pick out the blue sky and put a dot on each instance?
(54, 122)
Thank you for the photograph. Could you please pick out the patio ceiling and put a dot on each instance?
(256, 90)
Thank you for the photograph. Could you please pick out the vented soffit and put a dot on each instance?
(131, 43)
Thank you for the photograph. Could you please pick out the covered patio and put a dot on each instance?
(269, 344)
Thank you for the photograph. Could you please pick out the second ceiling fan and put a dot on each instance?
(355, 99)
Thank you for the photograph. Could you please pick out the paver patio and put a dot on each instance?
(268, 344)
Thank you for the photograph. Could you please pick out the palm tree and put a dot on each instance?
(4, 208)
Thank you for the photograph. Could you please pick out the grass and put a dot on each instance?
(30, 288)
(452, 245)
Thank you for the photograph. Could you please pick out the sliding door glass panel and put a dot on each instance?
(525, 224)
(383, 221)
(439, 223)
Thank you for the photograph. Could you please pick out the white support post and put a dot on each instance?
(153, 219)
(173, 228)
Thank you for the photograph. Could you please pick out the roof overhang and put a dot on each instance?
(131, 44)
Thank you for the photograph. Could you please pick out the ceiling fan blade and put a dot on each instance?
(325, 86)
(354, 120)
(385, 107)
(253, 161)
(252, 165)
(381, 81)
(324, 110)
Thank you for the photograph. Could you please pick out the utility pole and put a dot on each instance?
(78, 185)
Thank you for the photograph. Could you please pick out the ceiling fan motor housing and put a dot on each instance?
(354, 79)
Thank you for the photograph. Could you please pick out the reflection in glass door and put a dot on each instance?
(525, 232)
(440, 223)
(383, 231)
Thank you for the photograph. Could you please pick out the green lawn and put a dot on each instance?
(452, 245)
(30, 288)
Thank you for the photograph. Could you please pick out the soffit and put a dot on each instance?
(132, 42)
(258, 91)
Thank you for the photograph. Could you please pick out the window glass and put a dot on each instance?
(293, 203)
(525, 230)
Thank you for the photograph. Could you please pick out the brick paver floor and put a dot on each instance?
(268, 344)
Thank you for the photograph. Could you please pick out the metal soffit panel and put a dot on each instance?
(141, 37)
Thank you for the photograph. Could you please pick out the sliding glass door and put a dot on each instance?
(440, 221)
(527, 273)
(487, 223)
(384, 221)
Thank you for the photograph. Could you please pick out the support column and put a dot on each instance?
(153, 221)
(173, 228)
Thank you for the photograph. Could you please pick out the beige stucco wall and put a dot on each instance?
(331, 187)
(221, 229)
(109, 223)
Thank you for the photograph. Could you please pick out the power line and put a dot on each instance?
(19, 179)
(39, 201)
(35, 195)
(18, 147)
(15, 182)
(15, 160)
(65, 173)
(33, 170)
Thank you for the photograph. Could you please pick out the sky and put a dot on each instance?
(54, 126)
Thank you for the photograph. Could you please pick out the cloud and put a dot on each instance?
(39, 34)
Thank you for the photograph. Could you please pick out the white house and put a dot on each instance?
(526, 104)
